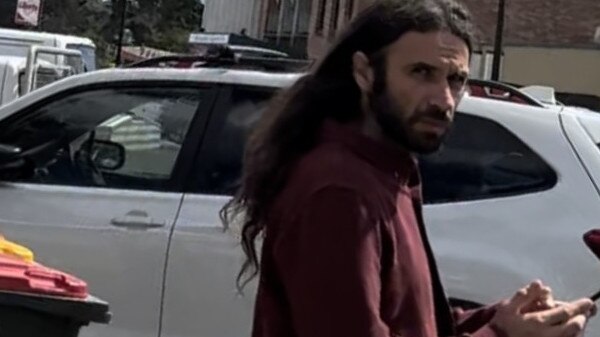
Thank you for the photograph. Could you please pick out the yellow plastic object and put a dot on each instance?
(15, 250)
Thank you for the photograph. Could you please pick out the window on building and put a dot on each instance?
(335, 14)
(288, 24)
(480, 160)
(320, 25)
(349, 10)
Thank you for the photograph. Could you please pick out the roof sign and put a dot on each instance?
(28, 12)
(203, 38)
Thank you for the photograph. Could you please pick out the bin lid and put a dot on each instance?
(82, 310)
(30, 277)
(15, 250)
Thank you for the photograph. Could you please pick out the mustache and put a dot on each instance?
(433, 113)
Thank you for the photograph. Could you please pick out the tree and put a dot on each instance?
(162, 24)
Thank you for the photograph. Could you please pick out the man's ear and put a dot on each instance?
(362, 71)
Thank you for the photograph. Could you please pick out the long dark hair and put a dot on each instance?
(290, 126)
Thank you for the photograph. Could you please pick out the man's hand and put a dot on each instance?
(547, 300)
(520, 317)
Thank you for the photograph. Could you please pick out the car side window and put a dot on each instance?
(70, 141)
(221, 165)
(482, 159)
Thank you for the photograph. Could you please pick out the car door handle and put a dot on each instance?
(137, 220)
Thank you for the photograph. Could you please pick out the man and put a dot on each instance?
(330, 179)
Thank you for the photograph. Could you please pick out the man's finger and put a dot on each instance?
(545, 301)
(535, 285)
(584, 306)
(573, 328)
(526, 297)
(557, 315)
(564, 313)
(537, 288)
(522, 299)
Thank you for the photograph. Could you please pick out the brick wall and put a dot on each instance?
(546, 27)
(318, 40)
(556, 23)
(318, 43)
(542, 23)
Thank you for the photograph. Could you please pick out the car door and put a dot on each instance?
(110, 227)
(206, 303)
(507, 202)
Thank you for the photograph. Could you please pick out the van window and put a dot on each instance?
(20, 48)
(14, 48)
(88, 53)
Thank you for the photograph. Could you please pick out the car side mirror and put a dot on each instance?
(9, 153)
(10, 157)
(12, 163)
(108, 156)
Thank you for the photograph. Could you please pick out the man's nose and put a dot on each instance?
(444, 98)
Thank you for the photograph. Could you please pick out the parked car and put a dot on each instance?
(118, 176)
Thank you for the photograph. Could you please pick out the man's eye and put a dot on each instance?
(457, 80)
(422, 71)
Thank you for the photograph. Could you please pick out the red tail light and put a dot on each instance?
(592, 240)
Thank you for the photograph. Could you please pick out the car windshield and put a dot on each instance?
(88, 54)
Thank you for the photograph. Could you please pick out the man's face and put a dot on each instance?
(424, 79)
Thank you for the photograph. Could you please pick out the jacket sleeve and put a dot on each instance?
(329, 260)
(475, 323)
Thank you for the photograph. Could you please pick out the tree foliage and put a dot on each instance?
(162, 24)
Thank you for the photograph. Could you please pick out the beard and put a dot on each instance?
(397, 124)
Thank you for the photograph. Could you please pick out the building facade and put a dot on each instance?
(328, 18)
(554, 43)
(286, 23)
(232, 16)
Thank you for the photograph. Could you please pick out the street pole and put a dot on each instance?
(498, 42)
(41, 16)
(282, 7)
(121, 32)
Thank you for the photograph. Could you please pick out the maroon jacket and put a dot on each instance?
(346, 254)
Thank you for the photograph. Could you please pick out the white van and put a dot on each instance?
(29, 60)
(16, 43)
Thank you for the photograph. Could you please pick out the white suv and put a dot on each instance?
(508, 198)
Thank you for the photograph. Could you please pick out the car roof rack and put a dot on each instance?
(224, 57)
(500, 91)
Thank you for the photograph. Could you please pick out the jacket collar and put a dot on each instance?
(392, 160)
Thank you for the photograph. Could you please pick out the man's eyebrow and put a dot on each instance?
(457, 69)
(424, 65)
(461, 72)
(428, 66)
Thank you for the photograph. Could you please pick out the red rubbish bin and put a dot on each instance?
(36, 301)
